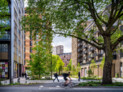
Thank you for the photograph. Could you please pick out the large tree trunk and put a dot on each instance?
(107, 70)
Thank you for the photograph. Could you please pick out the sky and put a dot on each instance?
(59, 40)
(66, 42)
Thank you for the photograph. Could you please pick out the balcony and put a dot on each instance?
(5, 36)
(92, 49)
(100, 54)
(114, 55)
(79, 50)
(85, 52)
(80, 45)
(79, 60)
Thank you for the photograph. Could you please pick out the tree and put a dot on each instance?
(90, 72)
(102, 63)
(93, 65)
(37, 22)
(69, 66)
(69, 18)
(54, 62)
(59, 64)
(38, 64)
(4, 17)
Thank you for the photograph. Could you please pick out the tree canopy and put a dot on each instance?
(58, 64)
(81, 19)
(4, 16)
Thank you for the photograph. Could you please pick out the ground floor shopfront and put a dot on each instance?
(5, 70)
(117, 69)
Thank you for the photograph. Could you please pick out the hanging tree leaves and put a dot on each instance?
(70, 18)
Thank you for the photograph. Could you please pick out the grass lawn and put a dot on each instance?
(91, 78)
(12, 84)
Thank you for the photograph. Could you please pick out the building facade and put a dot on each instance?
(12, 43)
(65, 58)
(74, 51)
(86, 53)
(29, 44)
(58, 49)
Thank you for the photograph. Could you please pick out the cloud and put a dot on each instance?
(66, 42)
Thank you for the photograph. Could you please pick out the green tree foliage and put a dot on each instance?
(59, 64)
(69, 18)
(38, 63)
(90, 73)
(38, 24)
(102, 63)
(4, 16)
(92, 67)
(69, 66)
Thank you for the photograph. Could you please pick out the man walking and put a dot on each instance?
(78, 76)
(56, 77)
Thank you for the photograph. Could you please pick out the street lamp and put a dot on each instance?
(51, 64)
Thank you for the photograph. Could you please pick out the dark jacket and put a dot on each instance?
(79, 74)
(55, 75)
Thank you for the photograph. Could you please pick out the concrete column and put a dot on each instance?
(12, 41)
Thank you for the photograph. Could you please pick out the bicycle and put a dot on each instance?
(69, 85)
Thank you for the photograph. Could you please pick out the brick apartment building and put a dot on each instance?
(58, 50)
(83, 53)
(29, 44)
(65, 58)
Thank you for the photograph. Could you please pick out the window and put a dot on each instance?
(30, 43)
(3, 48)
(30, 49)
(3, 51)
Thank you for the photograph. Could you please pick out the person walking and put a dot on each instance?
(78, 76)
(56, 77)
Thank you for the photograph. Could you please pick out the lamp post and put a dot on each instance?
(51, 64)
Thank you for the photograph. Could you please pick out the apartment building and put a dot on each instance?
(86, 53)
(12, 43)
(29, 44)
(58, 49)
(65, 58)
(74, 51)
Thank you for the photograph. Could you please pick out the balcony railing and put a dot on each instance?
(5, 36)
(100, 54)
(79, 50)
(80, 44)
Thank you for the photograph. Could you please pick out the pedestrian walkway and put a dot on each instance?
(117, 79)
(50, 83)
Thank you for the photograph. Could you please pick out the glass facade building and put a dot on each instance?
(12, 42)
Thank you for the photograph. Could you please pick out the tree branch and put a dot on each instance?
(116, 7)
(120, 39)
(95, 45)
(97, 14)
(112, 10)
(92, 11)
(115, 28)
(121, 9)
(96, 41)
